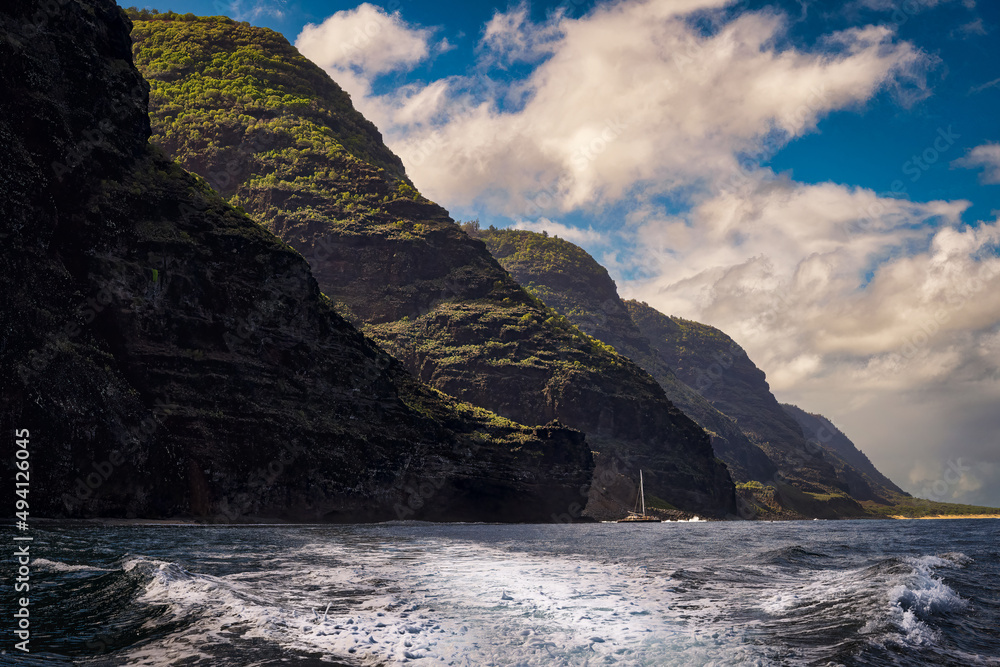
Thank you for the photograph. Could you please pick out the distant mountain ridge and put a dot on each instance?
(704, 372)
(568, 279)
(819, 429)
(229, 98)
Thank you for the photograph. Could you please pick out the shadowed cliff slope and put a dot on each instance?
(715, 382)
(569, 280)
(720, 370)
(849, 460)
(232, 100)
(170, 357)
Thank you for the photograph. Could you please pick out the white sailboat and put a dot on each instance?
(636, 517)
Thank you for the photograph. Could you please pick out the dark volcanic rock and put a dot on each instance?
(171, 357)
(711, 362)
(743, 416)
(395, 263)
(569, 280)
(863, 478)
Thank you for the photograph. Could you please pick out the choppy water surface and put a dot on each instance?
(804, 593)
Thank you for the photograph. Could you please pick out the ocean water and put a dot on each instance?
(791, 593)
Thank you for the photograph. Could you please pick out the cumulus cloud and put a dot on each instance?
(366, 39)
(882, 312)
(357, 46)
(588, 236)
(630, 94)
(510, 37)
(813, 282)
(985, 157)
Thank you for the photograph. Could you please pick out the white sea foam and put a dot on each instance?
(924, 593)
(916, 596)
(56, 566)
(461, 605)
(464, 603)
(897, 600)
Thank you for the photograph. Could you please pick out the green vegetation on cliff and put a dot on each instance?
(569, 280)
(213, 80)
(395, 263)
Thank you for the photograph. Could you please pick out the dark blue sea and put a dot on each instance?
(739, 593)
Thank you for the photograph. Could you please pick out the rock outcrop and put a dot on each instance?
(242, 108)
(171, 357)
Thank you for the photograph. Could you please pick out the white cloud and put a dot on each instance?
(809, 280)
(985, 157)
(989, 84)
(356, 46)
(510, 36)
(882, 313)
(252, 10)
(576, 235)
(630, 94)
(365, 39)
(907, 6)
(975, 27)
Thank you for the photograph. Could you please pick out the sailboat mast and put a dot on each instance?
(642, 494)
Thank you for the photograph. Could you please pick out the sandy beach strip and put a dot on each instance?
(950, 516)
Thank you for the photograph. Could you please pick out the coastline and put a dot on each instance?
(949, 516)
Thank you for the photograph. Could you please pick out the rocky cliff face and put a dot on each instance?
(802, 474)
(864, 479)
(569, 280)
(233, 100)
(171, 357)
(813, 478)
(716, 367)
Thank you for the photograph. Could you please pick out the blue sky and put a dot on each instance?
(821, 180)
